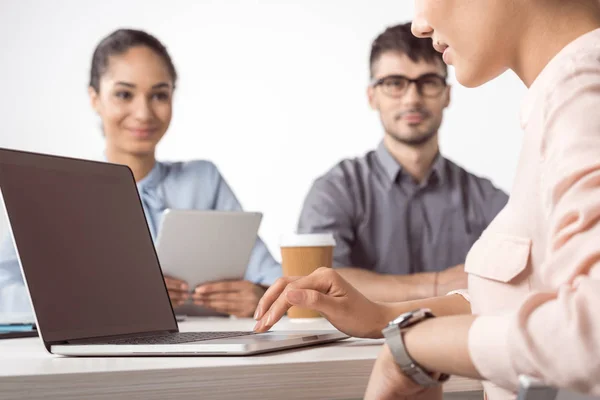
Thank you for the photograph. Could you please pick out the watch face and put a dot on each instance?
(415, 315)
(402, 318)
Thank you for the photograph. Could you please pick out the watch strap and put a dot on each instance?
(395, 339)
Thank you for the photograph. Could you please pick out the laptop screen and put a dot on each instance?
(84, 246)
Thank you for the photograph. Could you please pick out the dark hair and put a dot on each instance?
(400, 39)
(119, 42)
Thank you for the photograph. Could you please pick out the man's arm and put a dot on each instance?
(398, 288)
(330, 207)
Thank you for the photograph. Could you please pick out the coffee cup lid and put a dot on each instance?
(307, 240)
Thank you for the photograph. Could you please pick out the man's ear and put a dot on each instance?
(372, 98)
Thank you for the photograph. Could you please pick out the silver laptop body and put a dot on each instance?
(91, 269)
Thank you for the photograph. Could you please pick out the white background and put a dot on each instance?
(272, 91)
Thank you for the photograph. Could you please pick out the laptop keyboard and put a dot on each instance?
(178, 337)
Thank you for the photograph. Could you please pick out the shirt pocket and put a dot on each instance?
(498, 268)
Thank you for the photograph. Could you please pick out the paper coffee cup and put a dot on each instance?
(301, 255)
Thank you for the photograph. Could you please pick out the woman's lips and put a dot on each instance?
(142, 133)
(446, 56)
(444, 49)
(440, 47)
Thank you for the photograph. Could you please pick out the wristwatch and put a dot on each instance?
(394, 337)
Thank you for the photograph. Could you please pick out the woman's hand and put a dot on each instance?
(179, 291)
(238, 298)
(328, 293)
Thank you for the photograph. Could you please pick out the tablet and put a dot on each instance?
(206, 246)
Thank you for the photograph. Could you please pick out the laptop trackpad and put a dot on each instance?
(281, 336)
(269, 337)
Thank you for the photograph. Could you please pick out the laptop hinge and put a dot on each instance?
(112, 337)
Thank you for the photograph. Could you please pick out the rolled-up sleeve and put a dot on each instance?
(262, 268)
(328, 208)
(555, 336)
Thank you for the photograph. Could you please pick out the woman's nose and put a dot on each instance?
(420, 26)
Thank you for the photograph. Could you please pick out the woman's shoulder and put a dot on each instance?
(577, 72)
(190, 184)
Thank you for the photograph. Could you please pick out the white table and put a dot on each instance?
(335, 371)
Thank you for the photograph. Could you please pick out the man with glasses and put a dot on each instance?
(404, 217)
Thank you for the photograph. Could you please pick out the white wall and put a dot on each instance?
(272, 91)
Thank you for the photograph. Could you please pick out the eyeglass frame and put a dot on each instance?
(379, 81)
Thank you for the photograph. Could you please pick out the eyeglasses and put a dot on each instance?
(428, 85)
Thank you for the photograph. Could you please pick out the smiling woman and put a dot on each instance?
(132, 82)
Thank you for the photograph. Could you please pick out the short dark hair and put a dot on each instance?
(119, 42)
(399, 39)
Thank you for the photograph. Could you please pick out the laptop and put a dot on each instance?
(200, 246)
(91, 269)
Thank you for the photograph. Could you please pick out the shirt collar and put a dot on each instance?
(388, 162)
(154, 177)
(550, 73)
(439, 168)
(393, 168)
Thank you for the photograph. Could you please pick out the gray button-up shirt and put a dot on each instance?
(385, 222)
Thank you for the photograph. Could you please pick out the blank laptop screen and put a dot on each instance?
(84, 246)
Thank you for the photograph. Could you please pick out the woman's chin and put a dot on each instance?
(141, 149)
(470, 76)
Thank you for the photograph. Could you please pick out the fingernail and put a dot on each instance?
(257, 326)
(268, 321)
(295, 296)
(257, 313)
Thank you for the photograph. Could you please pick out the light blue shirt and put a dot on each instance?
(194, 185)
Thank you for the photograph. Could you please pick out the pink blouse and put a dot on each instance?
(534, 275)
